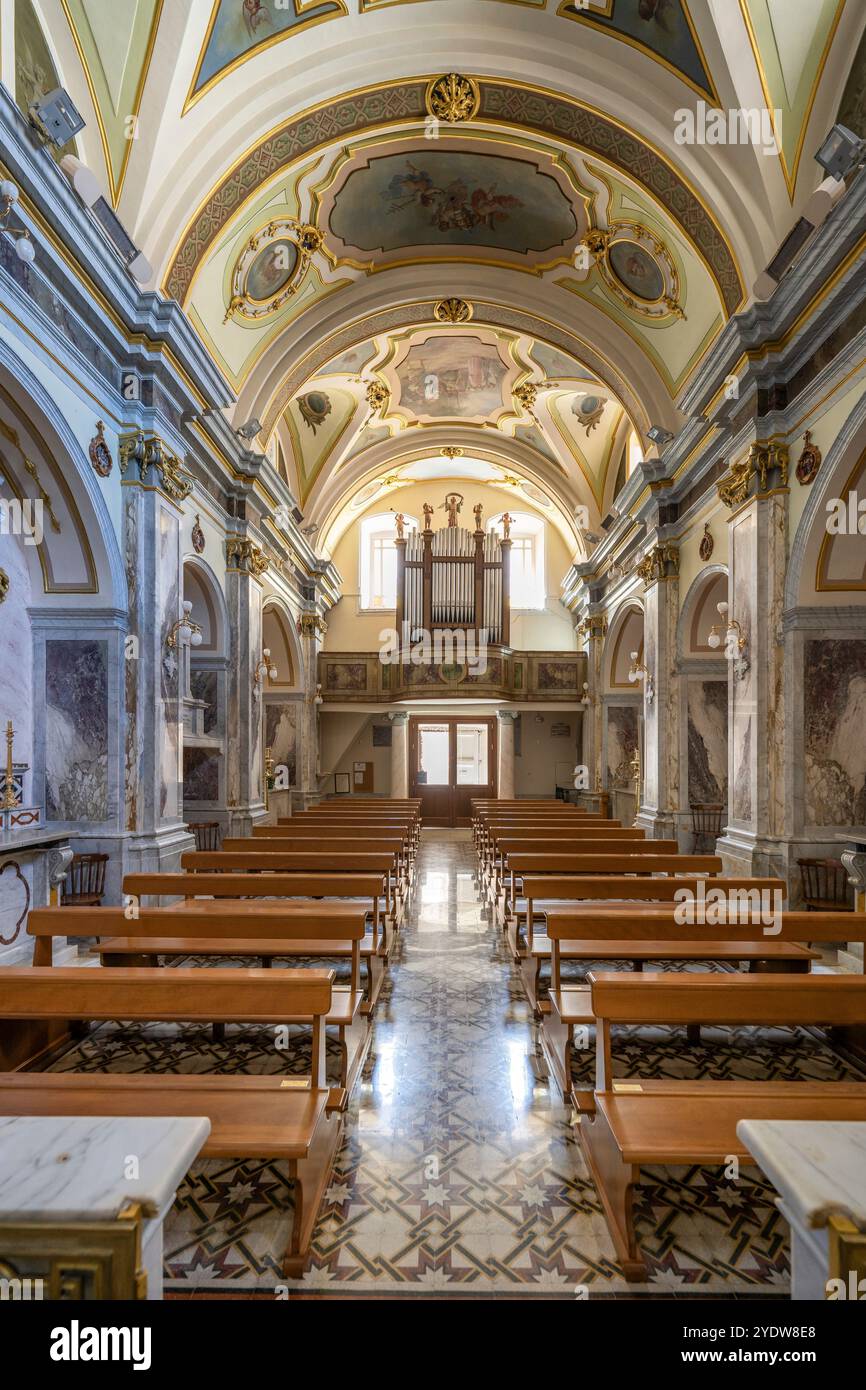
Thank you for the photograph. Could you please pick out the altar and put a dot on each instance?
(33, 865)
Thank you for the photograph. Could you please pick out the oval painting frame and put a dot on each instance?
(263, 281)
(643, 273)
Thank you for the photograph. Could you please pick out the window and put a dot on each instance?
(471, 755)
(527, 559)
(379, 560)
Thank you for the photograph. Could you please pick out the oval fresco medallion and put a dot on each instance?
(637, 271)
(271, 271)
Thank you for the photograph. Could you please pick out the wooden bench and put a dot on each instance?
(643, 857)
(314, 861)
(506, 846)
(550, 832)
(341, 839)
(641, 933)
(265, 931)
(292, 1119)
(630, 1124)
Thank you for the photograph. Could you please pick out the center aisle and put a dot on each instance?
(458, 1173)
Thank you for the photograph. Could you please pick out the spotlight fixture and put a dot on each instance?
(841, 152)
(263, 668)
(733, 631)
(250, 429)
(24, 248)
(639, 672)
(185, 632)
(55, 117)
(659, 436)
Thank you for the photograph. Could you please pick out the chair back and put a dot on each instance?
(825, 884)
(85, 877)
(707, 817)
(206, 832)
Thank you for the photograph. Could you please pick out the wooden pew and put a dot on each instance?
(640, 933)
(321, 887)
(292, 1119)
(338, 837)
(546, 831)
(643, 857)
(317, 861)
(690, 1123)
(208, 929)
(613, 843)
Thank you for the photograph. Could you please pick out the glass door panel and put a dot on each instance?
(433, 755)
(472, 755)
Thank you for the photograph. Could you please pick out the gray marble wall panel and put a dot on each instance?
(708, 740)
(168, 578)
(281, 735)
(201, 775)
(76, 732)
(835, 731)
(743, 609)
(204, 685)
(622, 744)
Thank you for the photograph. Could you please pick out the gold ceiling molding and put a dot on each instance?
(526, 395)
(43, 495)
(453, 310)
(378, 396)
(452, 98)
(520, 107)
(628, 248)
(280, 234)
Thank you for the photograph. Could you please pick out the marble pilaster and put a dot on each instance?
(312, 629)
(399, 755)
(659, 793)
(244, 714)
(505, 744)
(593, 630)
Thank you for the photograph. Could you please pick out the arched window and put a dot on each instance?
(379, 560)
(527, 559)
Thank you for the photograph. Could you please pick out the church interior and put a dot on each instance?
(433, 652)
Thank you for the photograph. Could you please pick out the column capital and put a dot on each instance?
(503, 714)
(401, 717)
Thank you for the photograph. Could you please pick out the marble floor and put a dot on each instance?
(460, 1173)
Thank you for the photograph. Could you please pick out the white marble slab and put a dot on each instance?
(74, 1168)
(819, 1168)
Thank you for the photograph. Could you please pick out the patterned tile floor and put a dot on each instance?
(460, 1173)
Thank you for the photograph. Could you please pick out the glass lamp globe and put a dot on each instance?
(25, 250)
(195, 639)
(9, 191)
(714, 640)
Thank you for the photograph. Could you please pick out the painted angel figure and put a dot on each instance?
(452, 505)
(428, 517)
(255, 13)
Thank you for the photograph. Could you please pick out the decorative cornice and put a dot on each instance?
(149, 452)
(311, 625)
(765, 469)
(660, 563)
(245, 557)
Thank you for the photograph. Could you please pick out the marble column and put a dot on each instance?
(660, 759)
(593, 630)
(244, 715)
(754, 842)
(505, 786)
(399, 755)
(312, 629)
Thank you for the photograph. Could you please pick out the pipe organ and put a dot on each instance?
(454, 578)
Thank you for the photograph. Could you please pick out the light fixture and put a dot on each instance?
(24, 248)
(55, 117)
(638, 672)
(733, 632)
(263, 668)
(587, 698)
(841, 152)
(185, 632)
(250, 429)
(659, 436)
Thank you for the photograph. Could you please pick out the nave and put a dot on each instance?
(460, 1172)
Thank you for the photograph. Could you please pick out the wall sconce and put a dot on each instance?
(185, 632)
(24, 248)
(733, 632)
(587, 698)
(318, 698)
(263, 668)
(637, 672)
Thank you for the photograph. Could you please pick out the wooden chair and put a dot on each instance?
(706, 823)
(206, 832)
(85, 881)
(825, 885)
(294, 1119)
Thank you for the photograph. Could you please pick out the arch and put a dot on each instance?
(625, 635)
(209, 605)
(698, 612)
(86, 547)
(279, 635)
(838, 469)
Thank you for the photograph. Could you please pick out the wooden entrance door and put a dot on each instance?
(450, 761)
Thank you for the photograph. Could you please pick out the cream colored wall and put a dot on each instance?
(535, 769)
(351, 630)
(361, 750)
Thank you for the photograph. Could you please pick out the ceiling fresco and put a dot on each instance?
(240, 28)
(452, 376)
(662, 28)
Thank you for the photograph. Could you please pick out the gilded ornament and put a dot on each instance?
(526, 395)
(809, 461)
(198, 540)
(452, 311)
(453, 98)
(4, 586)
(98, 450)
(378, 395)
(707, 544)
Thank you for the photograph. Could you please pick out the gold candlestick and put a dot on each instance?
(9, 799)
(269, 773)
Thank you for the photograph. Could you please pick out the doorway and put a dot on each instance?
(451, 760)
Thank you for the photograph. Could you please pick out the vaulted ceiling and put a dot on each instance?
(310, 196)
